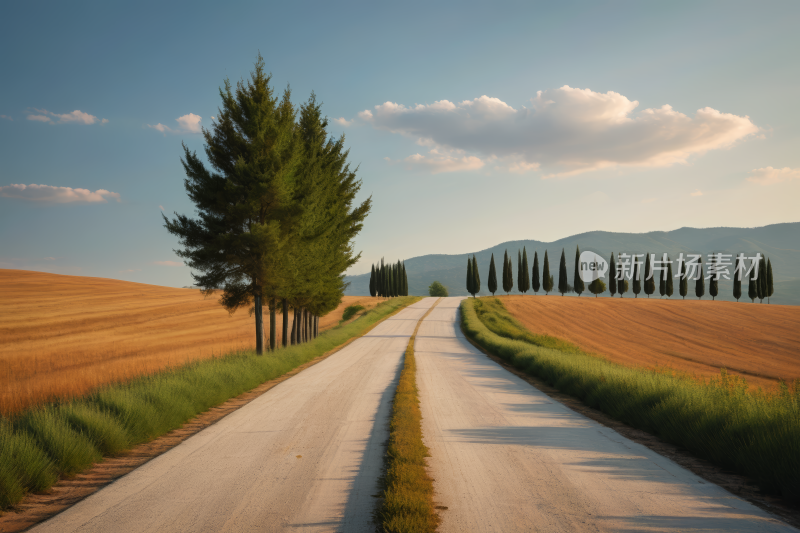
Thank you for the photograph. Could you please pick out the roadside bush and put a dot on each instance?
(351, 310)
(437, 289)
(756, 434)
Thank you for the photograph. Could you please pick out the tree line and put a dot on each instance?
(276, 214)
(760, 286)
(388, 280)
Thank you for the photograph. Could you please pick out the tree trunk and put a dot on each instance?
(316, 327)
(272, 329)
(293, 336)
(296, 327)
(285, 339)
(259, 325)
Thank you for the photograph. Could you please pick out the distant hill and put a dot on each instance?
(780, 242)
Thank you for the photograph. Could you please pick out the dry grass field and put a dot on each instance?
(759, 341)
(62, 336)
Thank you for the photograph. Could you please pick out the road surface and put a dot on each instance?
(506, 457)
(305, 456)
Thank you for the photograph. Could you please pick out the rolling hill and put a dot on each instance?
(780, 242)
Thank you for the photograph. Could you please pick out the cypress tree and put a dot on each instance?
(752, 291)
(547, 279)
(405, 280)
(492, 283)
(669, 279)
(700, 284)
(535, 285)
(526, 280)
(563, 282)
(612, 276)
(737, 280)
(649, 281)
(713, 282)
(476, 277)
(372, 281)
(508, 276)
(519, 271)
(662, 283)
(637, 281)
(577, 282)
(762, 279)
(770, 288)
(469, 277)
(683, 284)
(399, 280)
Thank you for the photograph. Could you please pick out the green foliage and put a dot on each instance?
(770, 287)
(577, 282)
(713, 284)
(492, 283)
(597, 286)
(669, 283)
(612, 276)
(508, 276)
(683, 284)
(525, 280)
(372, 287)
(752, 290)
(737, 280)
(757, 435)
(761, 286)
(700, 283)
(437, 289)
(65, 438)
(470, 277)
(662, 283)
(476, 277)
(535, 284)
(637, 279)
(351, 310)
(547, 279)
(563, 281)
(649, 282)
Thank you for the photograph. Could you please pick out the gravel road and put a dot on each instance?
(506, 457)
(305, 456)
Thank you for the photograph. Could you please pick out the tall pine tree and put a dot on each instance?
(508, 276)
(612, 276)
(762, 279)
(662, 283)
(770, 287)
(469, 277)
(520, 288)
(713, 283)
(526, 280)
(637, 279)
(547, 279)
(492, 282)
(700, 284)
(563, 281)
(476, 277)
(683, 284)
(649, 281)
(372, 281)
(535, 285)
(577, 282)
(752, 290)
(737, 279)
(669, 284)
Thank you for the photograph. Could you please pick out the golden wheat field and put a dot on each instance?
(696, 337)
(62, 336)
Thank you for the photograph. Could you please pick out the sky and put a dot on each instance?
(471, 124)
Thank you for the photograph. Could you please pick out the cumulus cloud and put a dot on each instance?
(770, 176)
(169, 263)
(436, 162)
(186, 124)
(343, 121)
(565, 131)
(76, 116)
(56, 195)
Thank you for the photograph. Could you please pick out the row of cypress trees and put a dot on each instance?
(760, 288)
(276, 217)
(388, 280)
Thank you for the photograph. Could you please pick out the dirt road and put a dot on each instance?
(304, 456)
(506, 457)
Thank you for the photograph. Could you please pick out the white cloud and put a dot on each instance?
(566, 131)
(186, 124)
(56, 195)
(6, 117)
(770, 176)
(343, 121)
(77, 116)
(698, 192)
(437, 163)
(169, 263)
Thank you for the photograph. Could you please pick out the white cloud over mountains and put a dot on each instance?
(49, 194)
(770, 176)
(565, 131)
(186, 124)
(77, 116)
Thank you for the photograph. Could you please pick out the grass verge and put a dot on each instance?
(407, 505)
(61, 439)
(755, 434)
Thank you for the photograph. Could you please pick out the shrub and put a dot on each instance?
(351, 310)
(437, 289)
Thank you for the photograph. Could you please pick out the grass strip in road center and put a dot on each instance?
(62, 439)
(407, 504)
(754, 434)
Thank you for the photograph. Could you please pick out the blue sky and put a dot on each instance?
(462, 152)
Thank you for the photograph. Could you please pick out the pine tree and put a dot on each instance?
(535, 285)
(713, 283)
(662, 283)
(547, 279)
(492, 283)
(563, 282)
(526, 280)
(669, 279)
(612, 276)
(637, 281)
(469, 277)
(737, 280)
(577, 282)
(405, 280)
(476, 277)
(649, 281)
(520, 288)
(752, 290)
(700, 284)
(683, 284)
(508, 276)
(762, 280)
(770, 287)
(372, 281)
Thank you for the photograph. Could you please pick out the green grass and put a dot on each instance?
(755, 434)
(41, 444)
(351, 310)
(407, 505)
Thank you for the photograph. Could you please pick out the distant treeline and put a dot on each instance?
(642, 275)
(388, 280)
